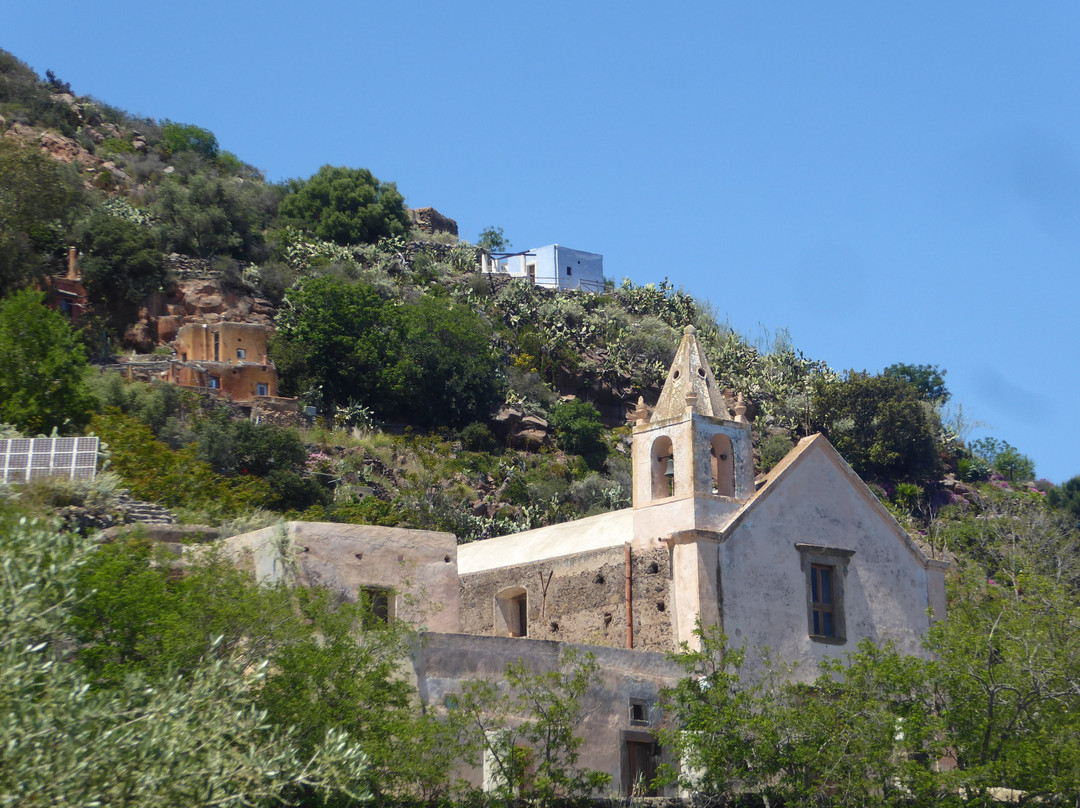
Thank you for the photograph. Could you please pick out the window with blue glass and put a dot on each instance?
(825, 569)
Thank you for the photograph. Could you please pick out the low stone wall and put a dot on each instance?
(584, 601)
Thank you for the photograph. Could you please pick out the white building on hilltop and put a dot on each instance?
(553, 267)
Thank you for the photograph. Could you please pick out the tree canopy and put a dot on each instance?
(121, 266)
(41, 368)
(429, 362)
(880, 425)
(345, 205)
(39, 200)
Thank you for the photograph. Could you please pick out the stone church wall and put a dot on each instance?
(579, 598)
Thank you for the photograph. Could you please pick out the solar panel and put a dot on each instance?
(25, 459)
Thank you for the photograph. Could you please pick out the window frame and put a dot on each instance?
(814, 559)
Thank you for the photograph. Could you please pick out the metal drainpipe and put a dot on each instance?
(629, 600)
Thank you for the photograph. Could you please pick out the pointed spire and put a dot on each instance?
(690, 385)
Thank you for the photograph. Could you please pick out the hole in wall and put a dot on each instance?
(701, 372)
(652, 569)
(446, 559)
(554, 626)
(675, 375)
(660, 606)
(599, 578)
(359, 556)
(607, 618)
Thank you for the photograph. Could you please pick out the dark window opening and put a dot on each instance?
(639, 712)
(378, 606)
(821, 600)
(520, 610)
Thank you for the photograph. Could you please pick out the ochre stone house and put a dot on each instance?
(805, 561)
(227, 359)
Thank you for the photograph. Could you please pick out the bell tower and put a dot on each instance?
(693, 462)
(693, 471)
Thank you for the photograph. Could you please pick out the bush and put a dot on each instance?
(772, 450)
(477, 437)
(42, 368)
(181, 137)
(879, 424)
(346, 206)
(121, 267)
(578, 428)
(1005, 459)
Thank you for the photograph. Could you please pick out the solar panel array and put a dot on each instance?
(25, 459)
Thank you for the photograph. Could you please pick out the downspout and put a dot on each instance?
(629, 600)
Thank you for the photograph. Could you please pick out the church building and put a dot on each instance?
(804, 561)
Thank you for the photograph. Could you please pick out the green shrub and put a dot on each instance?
(1005, 459)
(42, 368)
(772, 450)
(174, 478)
(477, 437)
(578, 428)
(972, 469)
(183, 137)
(117, 145)
(346, 206)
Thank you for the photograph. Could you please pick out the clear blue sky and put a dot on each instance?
(890, 182)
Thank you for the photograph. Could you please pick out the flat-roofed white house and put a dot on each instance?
(552, 267)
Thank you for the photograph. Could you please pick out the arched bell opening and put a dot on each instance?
(663, 468)
(723, 466)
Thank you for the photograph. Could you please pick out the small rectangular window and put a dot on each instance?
(262, 390)
(378, 603)
(241, 353)
(639, 712)
(569, 272)
(825, 569)
(214, 383)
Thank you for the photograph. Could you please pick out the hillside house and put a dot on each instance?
(66, 293)
(805, 561)
(229, 359)
(552, 267)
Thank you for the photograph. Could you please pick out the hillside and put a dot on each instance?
(520, 393)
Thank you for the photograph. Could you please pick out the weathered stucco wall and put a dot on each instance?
(580, 598)
(763, 585)
(195, 341)
(418, 567)
(241, 382)
(443, 662)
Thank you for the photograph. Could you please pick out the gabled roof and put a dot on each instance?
(690, 382)
(819, 444)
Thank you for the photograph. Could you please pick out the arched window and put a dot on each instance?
(723, 466)
(512, 612)
(662, 462)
